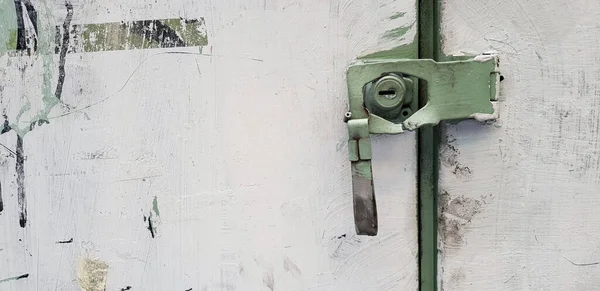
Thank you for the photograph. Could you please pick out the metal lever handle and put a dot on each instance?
(365, 210)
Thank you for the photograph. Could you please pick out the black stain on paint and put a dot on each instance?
(151, 222)
(150, 226)
(63, 51)
(20, 169)
(21, 41)
(126, 288)
(65, 241)
(15, 278)
(5, 126)
(38, 123)
(1, 202)
(157, 31)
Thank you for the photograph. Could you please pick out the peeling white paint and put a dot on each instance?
(483, 58)
(482, 117)
(540, 230)
(241, 141)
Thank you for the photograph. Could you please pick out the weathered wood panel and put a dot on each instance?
(221, 167)
(519, 198)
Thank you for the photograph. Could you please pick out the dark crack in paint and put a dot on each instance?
(1, 201)
(33, 124)
(269, 280)
(26, 40)
(65, 241)
(15, 278)
(63, 51)
(20, 169)
(152, 216)
(20, 25)
(150, 226)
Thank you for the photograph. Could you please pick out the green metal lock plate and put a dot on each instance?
(381, 95)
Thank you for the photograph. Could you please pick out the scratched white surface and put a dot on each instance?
(243, 147)
(524, 216)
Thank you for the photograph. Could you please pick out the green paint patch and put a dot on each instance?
(11, 42)
(403, 51)
(144, 34)
(153, 218)
(398, 32)
(397, 15)
(8, 26)
(155, 206)
(391, 53)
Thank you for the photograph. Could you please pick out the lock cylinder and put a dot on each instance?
(387, 96)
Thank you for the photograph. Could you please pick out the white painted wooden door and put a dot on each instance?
(519, 198)
(215, 167)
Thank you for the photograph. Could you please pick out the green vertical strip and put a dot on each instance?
(8, 27)
(428, 139)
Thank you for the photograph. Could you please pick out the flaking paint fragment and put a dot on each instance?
(484, 58)
(482, 117)
(144, 34)
(91, 274)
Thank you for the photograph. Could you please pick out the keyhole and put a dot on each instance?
(388, 94)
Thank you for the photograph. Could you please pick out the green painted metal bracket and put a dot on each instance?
(380, 93)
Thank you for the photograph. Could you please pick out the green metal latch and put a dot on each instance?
(382, 97)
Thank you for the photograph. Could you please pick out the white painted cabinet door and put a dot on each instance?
(520, 198)
(166, 165)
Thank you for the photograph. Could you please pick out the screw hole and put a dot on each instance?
(347, 116)
(406, 112)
